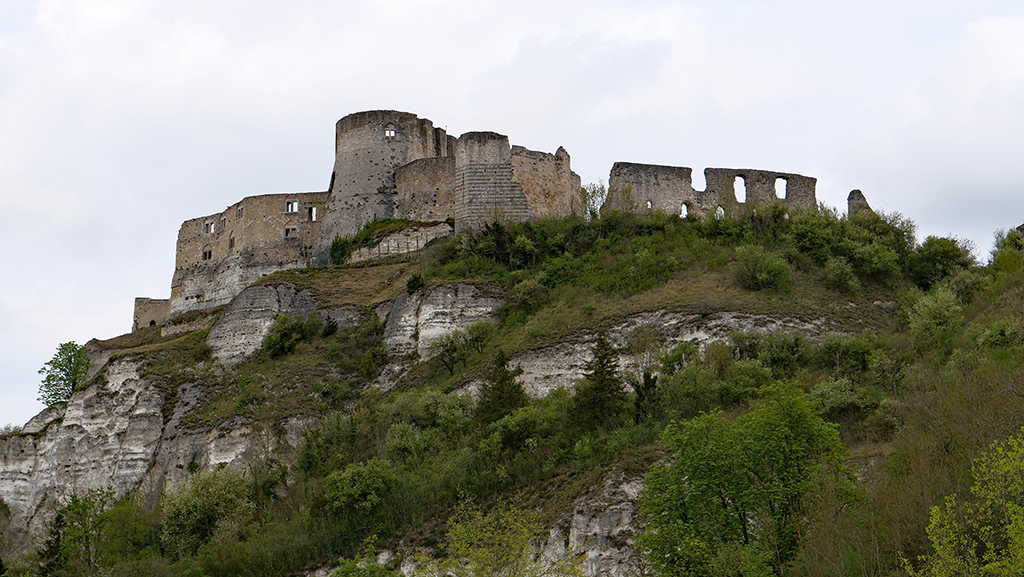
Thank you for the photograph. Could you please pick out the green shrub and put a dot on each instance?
(935, 320)
(341, 248)
(839, 275)
(414, 283)
(287, 332)
(361, 491)
(938, 258)
(209, 506)
(757, 269)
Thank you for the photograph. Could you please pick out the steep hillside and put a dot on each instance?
(360, 402)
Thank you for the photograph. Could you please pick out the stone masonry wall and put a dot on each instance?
(426, 189)
(644, 187)
(404, 241)
(150, 312)
(484, 191)
(550, 186)
(219, 255)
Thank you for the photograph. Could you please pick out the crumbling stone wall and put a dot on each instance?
(484, 191)
(426, 189)
(857, 204)
(150, 312)
(551, 188)
(644, 188)
(404, 241)
(220, 254)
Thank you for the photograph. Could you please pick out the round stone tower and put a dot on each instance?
(369, 146)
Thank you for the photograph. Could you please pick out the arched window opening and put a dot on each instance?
(291, 232)
(740, 184)
(223, 225)
(781, 185)
(231, 241)
(291, 206)
(207, 253)
(152, 323)
(389, 131)
(650, 204)
(208, 227)
(238, 212)
(684, 211)
(719, 213)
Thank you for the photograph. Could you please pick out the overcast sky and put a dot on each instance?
(120, 119)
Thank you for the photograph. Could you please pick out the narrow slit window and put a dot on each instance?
(312, 214)
(231, 242)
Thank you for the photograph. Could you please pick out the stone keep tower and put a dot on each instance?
(484, 190)
(369, 147)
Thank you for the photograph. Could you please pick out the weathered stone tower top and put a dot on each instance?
(369, 147)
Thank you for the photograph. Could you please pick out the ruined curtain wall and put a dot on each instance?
(550, 186)
(425, 189)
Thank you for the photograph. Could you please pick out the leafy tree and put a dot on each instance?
(63, 373)
(209, 506)
(360, 491)
(501, 393)
(600, 397)
(51, 559)
(982, 534)
(450, 350)
(738, 484)
(935, 320)
(936, 259)
(499, 543)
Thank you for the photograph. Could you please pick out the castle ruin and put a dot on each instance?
(391, 164)
(645, 188)
(388, 164)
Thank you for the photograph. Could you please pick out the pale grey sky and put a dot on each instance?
(120, 119)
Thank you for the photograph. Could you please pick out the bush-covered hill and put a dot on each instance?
(886, 415)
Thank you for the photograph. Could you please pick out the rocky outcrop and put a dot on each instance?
(105, 437)
(240, 330)
(415, 321)
(114, 435)
(561, 365)
(602, 527)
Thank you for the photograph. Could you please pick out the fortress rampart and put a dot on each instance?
(647, 188)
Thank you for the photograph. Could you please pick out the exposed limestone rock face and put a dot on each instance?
(416, 321)
(240, 330)
(562, 365)
(603, 527)
(105, 437)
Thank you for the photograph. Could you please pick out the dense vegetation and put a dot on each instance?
(790, 455)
